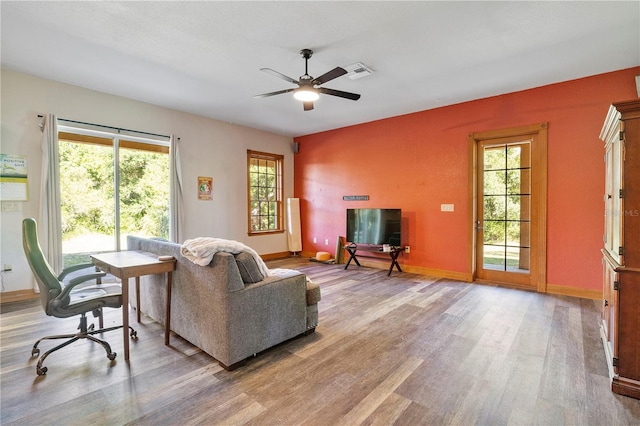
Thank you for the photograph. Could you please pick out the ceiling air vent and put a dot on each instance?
(357, 70)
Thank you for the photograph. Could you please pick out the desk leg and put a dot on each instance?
(352, 256)
(125, 315)
(394, 262)
(167, 324)
(138, 298)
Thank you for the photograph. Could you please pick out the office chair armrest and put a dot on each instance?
(68, 270)
(76, 281)
(84, 278)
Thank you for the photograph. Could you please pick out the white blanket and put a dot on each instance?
(201, 250)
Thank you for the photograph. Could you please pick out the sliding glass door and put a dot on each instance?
(110, 187)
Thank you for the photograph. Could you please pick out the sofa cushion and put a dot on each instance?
(248, 267)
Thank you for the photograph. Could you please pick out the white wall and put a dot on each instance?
(208, 148)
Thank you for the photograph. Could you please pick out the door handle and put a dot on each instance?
(479, 226)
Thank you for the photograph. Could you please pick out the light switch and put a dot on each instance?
(446, 207)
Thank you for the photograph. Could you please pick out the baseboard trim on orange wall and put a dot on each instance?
(560, 290)
(582, 293)
(450, 275)
(438, 273)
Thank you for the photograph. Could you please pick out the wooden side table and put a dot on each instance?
(128, 264)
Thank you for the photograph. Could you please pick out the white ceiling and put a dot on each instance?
(205, 57)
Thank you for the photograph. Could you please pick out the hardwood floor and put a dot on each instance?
(406, 349)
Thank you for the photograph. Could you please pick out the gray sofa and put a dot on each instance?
(220, 309)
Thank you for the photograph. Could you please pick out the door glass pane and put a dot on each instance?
(517, 259)
(518, 155)
(506, 206)
(495, 158)
(144, 194)
(493, 257)
(86, 195)
(494, 207)
(495, 232)
(494, 182)
(518, 181)
(518, 207)
(513, 231)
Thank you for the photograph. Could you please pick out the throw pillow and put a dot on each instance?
(248, 267)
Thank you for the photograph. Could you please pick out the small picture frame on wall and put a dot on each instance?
(205, 188)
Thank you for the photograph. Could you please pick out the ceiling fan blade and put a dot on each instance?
(279, 75)
(279, 92)
(328, 76)
(339, 93)
(308, 106)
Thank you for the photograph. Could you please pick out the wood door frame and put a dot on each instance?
(538, 184)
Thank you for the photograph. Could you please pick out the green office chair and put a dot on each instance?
(76, 297)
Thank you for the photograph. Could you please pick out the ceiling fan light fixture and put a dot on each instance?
(309, 89)
(306, 95)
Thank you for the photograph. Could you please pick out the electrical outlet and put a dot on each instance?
(326, 242)
(407, 249)
(7, 267)
(315, 240)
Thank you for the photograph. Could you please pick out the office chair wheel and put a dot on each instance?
(41, 371)
(112, 356)
(35, 352)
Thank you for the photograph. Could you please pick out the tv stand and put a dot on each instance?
(394, 253)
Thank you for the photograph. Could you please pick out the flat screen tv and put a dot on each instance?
(374, 226)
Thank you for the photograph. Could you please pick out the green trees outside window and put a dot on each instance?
(97, 214)
(507, 199)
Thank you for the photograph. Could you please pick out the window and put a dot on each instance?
(265, 192)
(110, 186)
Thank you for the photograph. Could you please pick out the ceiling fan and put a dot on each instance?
(309, 89)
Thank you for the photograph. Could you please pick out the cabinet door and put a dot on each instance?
(630, 204)
(606, 302)
(627, 323)
(608, 198)
(613, 201)
(610, 312)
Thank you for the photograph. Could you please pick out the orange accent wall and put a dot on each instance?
(418, 161)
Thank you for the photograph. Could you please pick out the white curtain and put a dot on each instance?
(49, 223)
(175, 190)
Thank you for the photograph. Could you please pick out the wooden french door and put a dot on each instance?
(509, 218)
